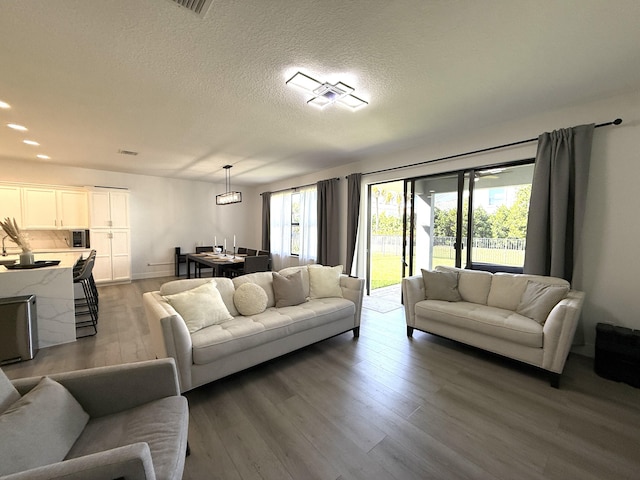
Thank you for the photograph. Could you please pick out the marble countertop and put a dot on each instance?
(67, 260)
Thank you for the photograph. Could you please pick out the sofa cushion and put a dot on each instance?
(200, 307)
(155, 423)
(538, 300)
(491, 321)
(8, 393)
(224, 285)
(441, 285)
(324, 282)
(264, 279)
(288, 289)
(243, 333)
(40, 428)
(250, 299)
(507, 288)
(304, 272)
(473, 285)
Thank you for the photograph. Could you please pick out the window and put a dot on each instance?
(295, 224)
(294, 227)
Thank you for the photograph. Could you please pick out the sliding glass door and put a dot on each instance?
(475, 218)
(434, 230)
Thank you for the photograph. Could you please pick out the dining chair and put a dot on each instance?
(268, 254)
(200, 267)
(251, 252)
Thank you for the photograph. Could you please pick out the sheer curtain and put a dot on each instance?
(280, 228)
(308, 225)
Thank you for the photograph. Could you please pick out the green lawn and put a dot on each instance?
(387, 269)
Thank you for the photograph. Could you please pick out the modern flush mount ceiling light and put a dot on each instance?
(326, 93)
(228, 197)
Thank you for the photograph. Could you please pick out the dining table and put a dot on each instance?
(217, 261)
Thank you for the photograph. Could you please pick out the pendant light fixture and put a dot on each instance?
(228, 197)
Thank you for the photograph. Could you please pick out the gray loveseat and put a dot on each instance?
(528, 318)
(236, 341)
(128, 421)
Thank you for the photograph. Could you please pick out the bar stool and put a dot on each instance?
(87, 304)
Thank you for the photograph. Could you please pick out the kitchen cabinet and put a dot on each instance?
(11, 203)
(51, 208)
(113, 257)
(109, 209)
(110, 234)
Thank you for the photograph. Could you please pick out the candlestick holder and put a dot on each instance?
(234, 251)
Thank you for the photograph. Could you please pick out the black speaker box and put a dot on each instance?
(618, 354)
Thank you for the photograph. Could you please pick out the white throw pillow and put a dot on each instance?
(324, 282)
(200, 307)
(8, 393)
(40, 428)
(538, 300)
(250, 299)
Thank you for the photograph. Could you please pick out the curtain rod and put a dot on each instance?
(299, 186)
(617, 121)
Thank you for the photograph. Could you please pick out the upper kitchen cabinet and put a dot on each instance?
(109, 209)
(50, 208)
(11, 203)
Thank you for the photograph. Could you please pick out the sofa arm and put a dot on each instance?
(106, 390)
(412, 293)
(559, 330)
(132, 462)
(170, 336)
(353, 289)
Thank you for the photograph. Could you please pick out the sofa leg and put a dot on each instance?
(356, 332)
(188, 450)
(409, 331)
(554, 380)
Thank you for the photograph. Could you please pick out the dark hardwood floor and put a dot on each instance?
(381, 407)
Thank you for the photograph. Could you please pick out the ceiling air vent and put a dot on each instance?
(127, 152)
(199, 7)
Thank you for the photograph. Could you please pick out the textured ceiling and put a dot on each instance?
(192, 94)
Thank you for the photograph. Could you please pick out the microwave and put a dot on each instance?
(79, 239)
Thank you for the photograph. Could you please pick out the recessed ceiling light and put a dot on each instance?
(31, 142)
(326, 93)
(4, 105)
(17, 127)
(44, 157)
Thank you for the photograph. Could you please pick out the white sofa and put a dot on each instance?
(242, 341)
(513, 315)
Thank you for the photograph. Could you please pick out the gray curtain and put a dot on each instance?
(558, 196)
(328, 222)
(353, 216)
(266, 221)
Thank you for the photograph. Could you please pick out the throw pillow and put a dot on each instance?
(40, 428)
(250, 299)
(8, 393)
(200, 307)
(441, 286)
(288, 289)
(538, 300)
(324, 282)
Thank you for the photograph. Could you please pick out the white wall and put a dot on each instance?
(609, 261)
(165, 213)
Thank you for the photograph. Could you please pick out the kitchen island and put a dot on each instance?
(54, 291)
